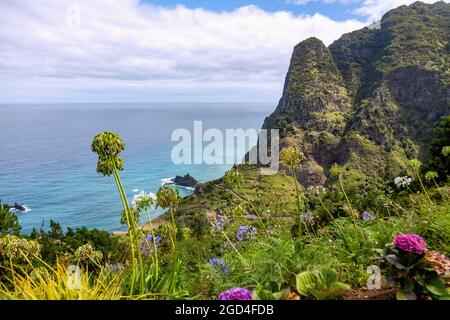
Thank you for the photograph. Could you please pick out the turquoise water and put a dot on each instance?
(46, 162)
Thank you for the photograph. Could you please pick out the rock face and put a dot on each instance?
(371, 99)
(185, 181)
(19, 207)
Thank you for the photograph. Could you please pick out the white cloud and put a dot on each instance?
(129, 51)
(375, 9)
(304, 2)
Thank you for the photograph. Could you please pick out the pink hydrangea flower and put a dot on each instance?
(236, 294)
(411, 243)
(438, 261)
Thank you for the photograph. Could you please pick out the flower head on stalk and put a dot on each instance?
(148, 244)
(108, 146)
(218, 265)
(17, 248)
(414, 165)
(336, 170)
(87, 253)
(402, 182)
(246, 232)
(143, 200)
(167, 197)
(114, 268)
(446, 151)
(368, 216)
(431, 175)
(292, 156)
(307, 218)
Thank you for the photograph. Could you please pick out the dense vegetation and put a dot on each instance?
(352, 214)
(317, 243)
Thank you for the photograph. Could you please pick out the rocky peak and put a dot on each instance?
(372, 98)
(313, 87)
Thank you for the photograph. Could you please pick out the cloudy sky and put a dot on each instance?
(163, 50)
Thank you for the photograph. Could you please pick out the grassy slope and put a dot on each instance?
(272, 194)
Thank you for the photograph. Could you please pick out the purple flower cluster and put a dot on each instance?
(308, 218)
(114, 268)
(411, 243)
(366, 216)
(246, 232)
(148, 244)
(218, 264)
(236, 294)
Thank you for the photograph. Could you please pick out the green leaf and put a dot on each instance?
(321, 284)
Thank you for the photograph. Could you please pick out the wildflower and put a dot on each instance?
(143, 200)
(446, 151)
(108, 146)
(431, 175)
(16, 248)
(414, 164)
(167, 197)
(218, 264)
(114, 268)
(317, 189)
(236, 294)
(411, 243)
(336, 170)
(402, 181)
(246, 232)
(148, 244)
(87, 253)
(291, 156)
(366, 216)
(438, 262)
(308, 218)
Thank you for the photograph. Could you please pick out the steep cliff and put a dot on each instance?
(371, 99)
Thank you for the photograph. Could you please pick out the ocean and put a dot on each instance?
(46, 163)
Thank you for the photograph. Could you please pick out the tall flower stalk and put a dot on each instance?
(414, 165)
(169, 198)
(108, 146)
(143, 202)
(431, 176)
(292, 157)
(337, 171)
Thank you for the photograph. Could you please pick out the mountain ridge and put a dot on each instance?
(371, 99)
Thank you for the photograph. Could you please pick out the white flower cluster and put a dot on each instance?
(143, 200)
(402, 182)
(317, 189)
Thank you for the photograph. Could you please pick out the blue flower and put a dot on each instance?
(114, 268)
(149, 244)
(366, 216)
(218, 264)
(246, 232)
(308, 218)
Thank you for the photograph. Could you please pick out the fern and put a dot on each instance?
(322, 284)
